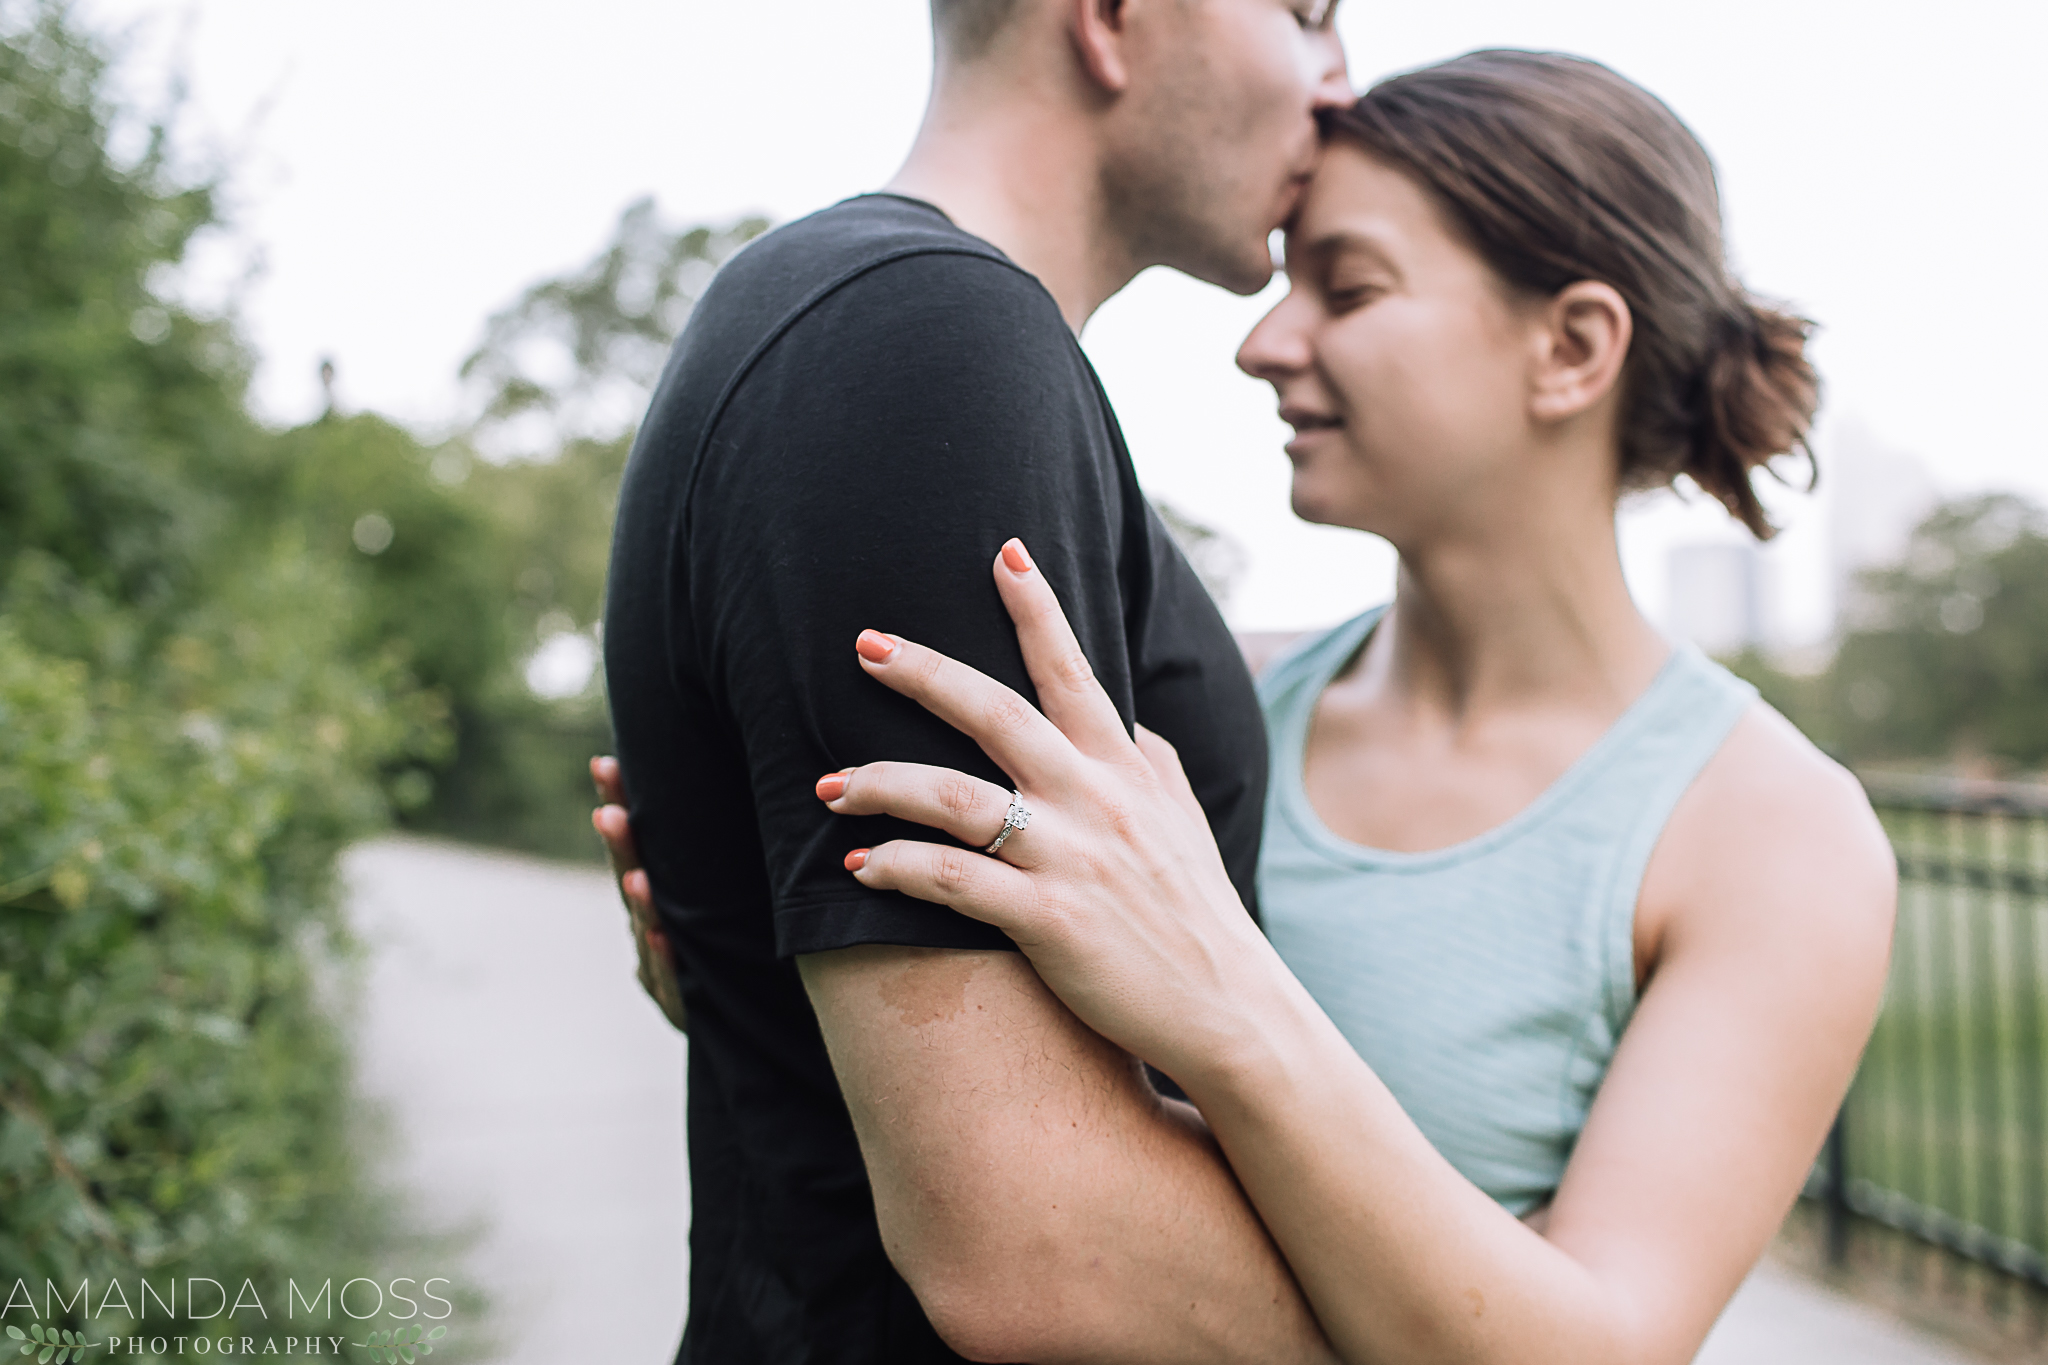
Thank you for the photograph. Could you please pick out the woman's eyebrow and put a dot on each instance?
(1343, 241)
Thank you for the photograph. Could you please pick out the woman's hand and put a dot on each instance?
(656, 968)
(1115, 888)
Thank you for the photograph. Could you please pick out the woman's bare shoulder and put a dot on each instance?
(1776, 843)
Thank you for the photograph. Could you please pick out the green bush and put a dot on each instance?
(196, 714)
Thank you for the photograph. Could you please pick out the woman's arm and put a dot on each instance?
(1767, 978)
(1719, 1097)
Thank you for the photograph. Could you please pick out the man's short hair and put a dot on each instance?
(965, 28)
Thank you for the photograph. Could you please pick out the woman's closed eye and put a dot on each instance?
(1344, 295)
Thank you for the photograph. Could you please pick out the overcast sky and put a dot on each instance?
(403, 169)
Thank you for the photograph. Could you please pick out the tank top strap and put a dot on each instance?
(1612, 803)
(1634, 778)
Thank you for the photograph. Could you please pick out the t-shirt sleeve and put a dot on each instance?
(864, 473)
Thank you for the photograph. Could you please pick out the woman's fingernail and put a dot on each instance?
(1016, 556)
(857, 859)
(832, 786)
(875, 647)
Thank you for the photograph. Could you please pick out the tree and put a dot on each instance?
(561, 379)
(1946, 660)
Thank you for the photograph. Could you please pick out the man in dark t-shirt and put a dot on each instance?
(901, 1146)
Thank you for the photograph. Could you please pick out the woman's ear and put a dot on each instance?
(1582, 346)
(1098, 30)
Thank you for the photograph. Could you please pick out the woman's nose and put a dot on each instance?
(1278, 346)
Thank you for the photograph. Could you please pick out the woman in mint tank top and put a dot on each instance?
(1573, 943)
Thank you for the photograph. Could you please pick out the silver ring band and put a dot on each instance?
(1014, 820)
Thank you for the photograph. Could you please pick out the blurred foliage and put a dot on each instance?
(196, 714)
(561, 379)
(1216, 556)
(1946, 659)
(576, 357)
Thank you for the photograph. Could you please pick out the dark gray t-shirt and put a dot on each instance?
(864, 406)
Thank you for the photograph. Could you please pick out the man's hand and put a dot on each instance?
(657, 971)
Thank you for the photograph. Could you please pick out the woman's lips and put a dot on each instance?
(1307, 426)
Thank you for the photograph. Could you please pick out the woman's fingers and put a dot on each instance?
(656, 968)
(1068, 692)
(1008, 728)
(987, 889)
(616, 829)
(1164, 760)
(604, 775)
(969, 809)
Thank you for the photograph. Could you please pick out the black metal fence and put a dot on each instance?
(1944, 1135)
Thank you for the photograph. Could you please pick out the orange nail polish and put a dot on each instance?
(831, 786)
(857, 859)
(875, 647)
(1016, 556)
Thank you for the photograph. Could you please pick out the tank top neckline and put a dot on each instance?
(1291, 745)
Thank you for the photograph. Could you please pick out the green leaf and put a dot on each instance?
(425, 1349)
(437, 1334)
(16, 1332)
(44, 1358)
(35, 1329)
(417, 1332)
(407, 1352)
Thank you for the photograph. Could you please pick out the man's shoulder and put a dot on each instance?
(896, 255)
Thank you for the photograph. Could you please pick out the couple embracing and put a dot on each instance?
(1507, 961)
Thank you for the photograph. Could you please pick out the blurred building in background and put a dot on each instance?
(1877, 495)
(1714, 595)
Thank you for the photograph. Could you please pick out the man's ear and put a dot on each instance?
(1098, 30)
(1581, 346)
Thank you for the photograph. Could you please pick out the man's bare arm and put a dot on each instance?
(1042, 1202)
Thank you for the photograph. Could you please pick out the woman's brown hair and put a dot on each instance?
(1560, 170)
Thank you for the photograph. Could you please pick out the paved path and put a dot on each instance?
(537, 1092)
(539, 1095)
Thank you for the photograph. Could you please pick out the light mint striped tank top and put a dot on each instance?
(1487, 983)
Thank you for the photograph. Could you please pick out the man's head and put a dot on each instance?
(1198, 115)
(964, 28)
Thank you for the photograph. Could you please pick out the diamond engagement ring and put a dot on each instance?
(1016, 819)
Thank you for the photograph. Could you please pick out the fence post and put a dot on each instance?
(1838, 1189)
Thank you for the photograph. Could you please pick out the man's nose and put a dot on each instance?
(1333, 85)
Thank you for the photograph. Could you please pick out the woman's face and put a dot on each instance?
(1401, 360)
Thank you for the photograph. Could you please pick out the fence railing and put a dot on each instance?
(1944, 1135)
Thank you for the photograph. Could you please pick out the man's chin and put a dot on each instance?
(1243, 276)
